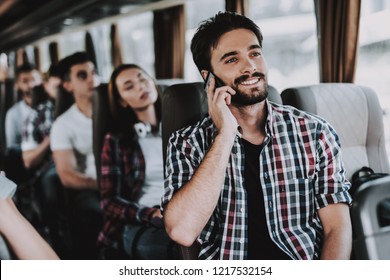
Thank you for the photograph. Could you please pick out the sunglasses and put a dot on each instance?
(82, 75)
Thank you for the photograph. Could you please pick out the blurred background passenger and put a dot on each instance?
(71, 145)
(37, 155)
(26, 78)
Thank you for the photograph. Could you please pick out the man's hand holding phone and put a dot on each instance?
(219, 100)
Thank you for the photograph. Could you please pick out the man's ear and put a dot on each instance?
(204, 74)
(67, 86)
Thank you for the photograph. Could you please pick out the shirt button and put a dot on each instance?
(266, 175)
(270, 204)
(242, 240)
(241, 210)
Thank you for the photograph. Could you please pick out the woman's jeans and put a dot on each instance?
(148, 242)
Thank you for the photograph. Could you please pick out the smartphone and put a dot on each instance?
(218, 81)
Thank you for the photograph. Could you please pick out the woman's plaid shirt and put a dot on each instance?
(122, 177)
(301, 171)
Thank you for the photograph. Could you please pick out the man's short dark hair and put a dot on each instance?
(66, 63)
(209, 32)
(24, 68)
(54, 70)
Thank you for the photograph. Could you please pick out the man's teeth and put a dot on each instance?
(250, 82)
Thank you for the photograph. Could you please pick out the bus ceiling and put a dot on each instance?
(25, 21)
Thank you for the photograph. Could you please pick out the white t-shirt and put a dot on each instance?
(14, 122)
(73, 131)
(153, 188)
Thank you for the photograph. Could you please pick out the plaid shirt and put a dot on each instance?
(122, 177)
(301, 171)
(36, 127)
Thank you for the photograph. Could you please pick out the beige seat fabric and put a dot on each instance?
(355, 113)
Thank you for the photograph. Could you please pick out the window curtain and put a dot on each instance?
(53, 52)
(169, 42)
(37, 59)
(89, 47)
(238, 6)
(116, 51)
(338, 29)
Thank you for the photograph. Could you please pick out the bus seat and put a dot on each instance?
(100, 122)
(355, 113)
(183, 105)
(6, 101)
(63, 102)
(372, 240)
(163, 84)
(274, 95)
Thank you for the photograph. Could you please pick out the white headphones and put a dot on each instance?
(142, 129)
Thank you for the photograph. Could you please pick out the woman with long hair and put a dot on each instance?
(132, 170)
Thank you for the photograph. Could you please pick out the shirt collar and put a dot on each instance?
(270, 118)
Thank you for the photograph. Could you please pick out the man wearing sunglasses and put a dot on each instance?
(71, 144)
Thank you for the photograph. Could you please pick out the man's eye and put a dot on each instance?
(231, 60)
(82, 75)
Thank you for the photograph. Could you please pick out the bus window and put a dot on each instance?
(44, 58)
(136, 36)
(197, 11)
(290, 40)
(373, 63)
(101, 38)
(30, 54)
(71, 42)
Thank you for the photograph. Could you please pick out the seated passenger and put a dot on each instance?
(71, 145)
(37, 155)
(26, 78)
(253, 179)
(36, 129)
(132, 170)
(24, 241)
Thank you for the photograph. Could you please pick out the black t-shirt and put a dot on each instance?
(260, 245)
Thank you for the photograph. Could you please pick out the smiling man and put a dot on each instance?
(253, 179)
(26, 78)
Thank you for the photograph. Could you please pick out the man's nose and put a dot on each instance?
(248, 66)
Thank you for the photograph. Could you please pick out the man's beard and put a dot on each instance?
(26, 95)
(257, 95)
